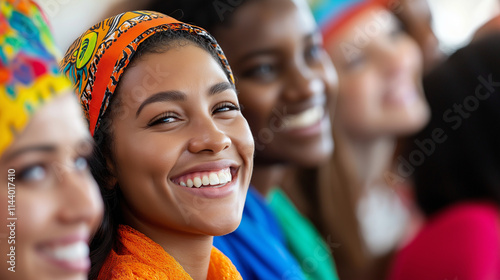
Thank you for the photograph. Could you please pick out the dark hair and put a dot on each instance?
(203, 13)
(104, 239)
(457, 156)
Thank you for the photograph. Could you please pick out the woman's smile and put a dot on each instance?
(210, 180)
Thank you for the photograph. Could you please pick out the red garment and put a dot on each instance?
(140, 258)
(460, 243)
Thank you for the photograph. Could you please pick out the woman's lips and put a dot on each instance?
(308, 123)
(69, 254)
(207, 190)
(304, 119)
(209, 174)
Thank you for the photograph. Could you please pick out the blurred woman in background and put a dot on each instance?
(380, 99)
(49, 200)
(454, 165)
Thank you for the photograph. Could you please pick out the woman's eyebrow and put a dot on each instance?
(171, 95)
(256, 53)
(220, 87)
(174, 95)
(36, 148)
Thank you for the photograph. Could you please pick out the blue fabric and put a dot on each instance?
(257, 247)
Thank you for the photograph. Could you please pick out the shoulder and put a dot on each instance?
(471, 222)
(462, 241)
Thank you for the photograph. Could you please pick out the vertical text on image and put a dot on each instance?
(11, 219)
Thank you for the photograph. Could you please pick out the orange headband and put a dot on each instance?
(96, 61)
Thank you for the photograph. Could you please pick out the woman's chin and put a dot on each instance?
(219, 226)
(223, 229)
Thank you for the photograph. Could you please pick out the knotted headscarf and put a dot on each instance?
(29, 72)
(96, 61)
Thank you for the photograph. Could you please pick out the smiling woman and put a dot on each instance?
(174, 155)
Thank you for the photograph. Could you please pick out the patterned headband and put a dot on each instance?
(29, 73)
(96, 61)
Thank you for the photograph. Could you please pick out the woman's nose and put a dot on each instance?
(207, 137)
(81, 200)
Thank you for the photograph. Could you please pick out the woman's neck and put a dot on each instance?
(265, 177)
(371, 158)
(191, 251)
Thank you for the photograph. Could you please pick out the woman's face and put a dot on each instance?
(284, 77)
(182, 149)
(56, 201)
(379, 70)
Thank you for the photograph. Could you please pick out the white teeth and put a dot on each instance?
(75, 251)
(222, 177)
(214, 179)
(304, 119)
(205, 180)
(197, 182)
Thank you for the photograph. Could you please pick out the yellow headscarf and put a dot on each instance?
(29, 74)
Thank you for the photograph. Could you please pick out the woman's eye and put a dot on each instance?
(33, 173)
(81, 164)
(355, 61)
(162, 120)
(226, 107)
(263, 72)
(263, 69)
(313, 53)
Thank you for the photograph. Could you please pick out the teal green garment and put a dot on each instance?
(303, 240)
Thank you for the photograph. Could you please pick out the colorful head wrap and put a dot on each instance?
(96, 61)
(29, 73)
(332, 15)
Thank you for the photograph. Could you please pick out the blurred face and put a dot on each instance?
(57, 202)
(379, 70)
(183, 151)
(284, 77)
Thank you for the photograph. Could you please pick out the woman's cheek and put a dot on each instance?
(243, 137)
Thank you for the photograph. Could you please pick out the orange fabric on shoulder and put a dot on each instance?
(139, 257)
